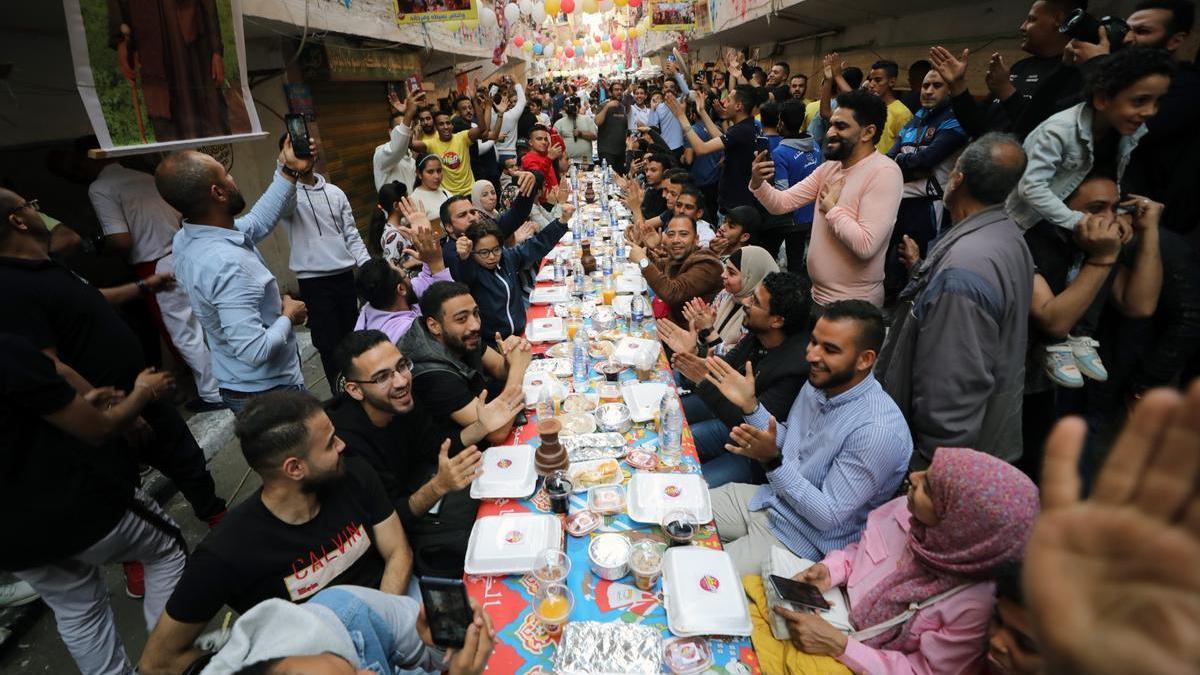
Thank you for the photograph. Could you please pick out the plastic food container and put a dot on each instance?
(607, 500)
(582, 522)
(609, 555)
(687, 655)
(642, 459)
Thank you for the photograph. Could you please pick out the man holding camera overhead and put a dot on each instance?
(578, 131)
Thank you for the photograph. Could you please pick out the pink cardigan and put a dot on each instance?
(849, 243)
(945, 638)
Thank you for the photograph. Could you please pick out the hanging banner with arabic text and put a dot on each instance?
(671, 15)
(429, 11)
(157, 75)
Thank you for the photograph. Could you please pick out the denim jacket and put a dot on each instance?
(1060, 152)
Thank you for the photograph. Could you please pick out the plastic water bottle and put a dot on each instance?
(606, 266)
(579, 362)
(670, 429)
(637, 312)
(560, 273)
(545, 404)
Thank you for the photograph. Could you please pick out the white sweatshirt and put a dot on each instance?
(393, 161)
(321, 231)
(508, 125)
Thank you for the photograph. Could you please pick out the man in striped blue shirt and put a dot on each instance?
(842, 451)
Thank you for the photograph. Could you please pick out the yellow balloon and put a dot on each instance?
(578, 42)
(605, 47)
(633, 31)
(591, 6)
(552, 6)
(620, 3)
(528, 46)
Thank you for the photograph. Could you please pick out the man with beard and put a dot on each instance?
(857, 191)
(682, 270)
(233, 293)
(452, 368)
(842, 451)
(966, 311)
(317, 521)
(426, 474)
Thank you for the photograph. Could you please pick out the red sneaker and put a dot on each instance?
(135, 580)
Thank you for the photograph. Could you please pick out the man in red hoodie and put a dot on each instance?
(542, 156)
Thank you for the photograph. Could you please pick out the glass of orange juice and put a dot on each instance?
(573, 328)
(608, 292)
(552, 605)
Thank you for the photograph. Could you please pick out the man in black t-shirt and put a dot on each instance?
(737, 141)
(319, 520)
(65, 511)
(612, 123)
(426, 473)
(451, 365)
(73, 323)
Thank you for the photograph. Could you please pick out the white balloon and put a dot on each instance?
(526, 7)
(512, 13)
(606, 5)
(487, 18)
(539, 13)
(549, 50)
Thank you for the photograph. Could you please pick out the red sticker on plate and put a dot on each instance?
(672, 491)
(514, 537)
(709, 583)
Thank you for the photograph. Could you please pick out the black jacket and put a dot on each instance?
(779, 374)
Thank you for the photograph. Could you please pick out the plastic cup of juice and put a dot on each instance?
(572, 329)
(607, 294)
(552, 605)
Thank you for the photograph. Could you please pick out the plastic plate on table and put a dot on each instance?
(555, 366)
(577, 423)
(631, 283)
(703, 593)
(643, 399)
(600, 349)
(546, 329)
(547, 295)
(507, 471)
(594, 473)
(579, 403)
(622, 304)
(561, 350)
(510, 544)
(651, 495)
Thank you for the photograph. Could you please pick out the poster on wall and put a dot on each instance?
(157, 75)
(428, 11)
(672, 15)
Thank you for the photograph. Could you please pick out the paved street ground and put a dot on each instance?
(39, 650)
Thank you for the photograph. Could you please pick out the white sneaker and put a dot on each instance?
(1060, 367)
(16, 594)
(1084, 349)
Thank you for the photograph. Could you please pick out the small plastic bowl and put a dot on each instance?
(642, 459)
(606, 500)
(687, 655)
(580, 523)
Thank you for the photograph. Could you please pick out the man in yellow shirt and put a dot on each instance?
(454, 149)
(881, 81)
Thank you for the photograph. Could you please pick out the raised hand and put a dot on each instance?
(456, 473)
(678, 339)
(1146, 211)
(737, 388)
(689, 365)
(425, 246)
(952, 69)
(554, 152)
(395, 102)
(463, 246)
(288, 158)
(909, 252)
(997, 78)
(526, 181)
(501, 410)
(699, 314)
(757, 444)
(414, 214)
(762, 171)
(1113, 581)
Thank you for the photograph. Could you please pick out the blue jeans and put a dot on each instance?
(710, 435)
(237, 400)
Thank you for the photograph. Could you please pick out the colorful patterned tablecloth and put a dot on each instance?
(522, 644)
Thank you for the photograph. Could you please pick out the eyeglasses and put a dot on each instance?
(32, 203)
(385, 376)
(488, 252)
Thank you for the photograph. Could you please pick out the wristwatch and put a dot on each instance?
(288, 171)
(644, 263)
(773, 463)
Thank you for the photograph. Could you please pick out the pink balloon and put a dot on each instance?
(518, 41)
(567, 6)
(635, 3)
(616, 42)
(569, 52)
(596, 38)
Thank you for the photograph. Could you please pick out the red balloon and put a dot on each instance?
(616, 42)
(569, 52)
(635, 3)
(518, 41)
(567, 6)
(596, 38)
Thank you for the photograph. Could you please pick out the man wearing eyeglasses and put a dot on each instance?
(426, 473)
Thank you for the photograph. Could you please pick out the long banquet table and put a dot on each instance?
(522, 644)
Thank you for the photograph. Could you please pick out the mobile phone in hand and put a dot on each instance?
(297, 128)
(761, 144)
(799, 592)
(447, 610)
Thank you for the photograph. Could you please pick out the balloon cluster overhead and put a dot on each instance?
(569, 34)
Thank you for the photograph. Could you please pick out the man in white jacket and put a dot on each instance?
(507, 145)
(325, 249)
(392, 160)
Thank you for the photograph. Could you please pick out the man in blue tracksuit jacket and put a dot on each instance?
(926, 149)
(796, 156)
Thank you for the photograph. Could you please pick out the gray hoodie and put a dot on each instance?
(368, 628)
(321, 231)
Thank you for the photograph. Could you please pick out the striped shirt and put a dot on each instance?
(842, 457)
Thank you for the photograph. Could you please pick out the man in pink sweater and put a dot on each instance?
(857, 191)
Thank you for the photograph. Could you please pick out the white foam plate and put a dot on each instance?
(631, 350)
(555, 366)
(546, 329)
(546, 273)
(643, 399)
(652, 494)
(631, 283)
(621, 304)
(508, 472)
(509, 544)
(547, 295)
(703, 593)
(534, 383)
